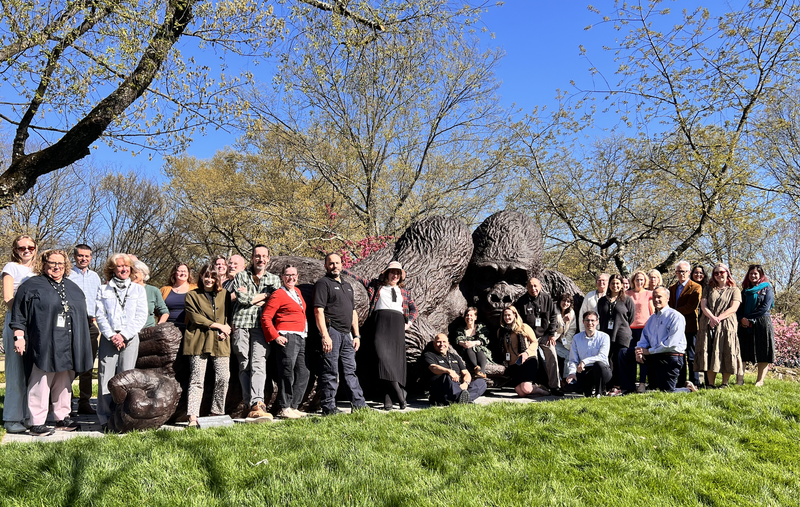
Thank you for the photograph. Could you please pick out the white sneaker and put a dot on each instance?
(288, 413)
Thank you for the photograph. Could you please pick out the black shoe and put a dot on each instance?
(463, 397)
(86, 409)
(403, 405)
(67, 424)
(554, 391)
(335, 411)
(41, 430)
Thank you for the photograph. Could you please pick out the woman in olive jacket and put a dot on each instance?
(208, 312)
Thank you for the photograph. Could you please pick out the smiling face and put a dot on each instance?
(754, 276)
(393, 277)
(83, 258)
(698, 275)
(222, 267)
(26, 249)
(654, 281)
(616, 286)
(660, 298)
(720, 275)
(565, 304)
(289, 277)
(470, 318)
(508, 316)
(534, 287)
(54, 267)
(682, 271)
(440, 343)
(209, 280)
(137, 277)
(601, 284)
(260, 258)
(121, 269)
(235, 264)
(182, 274)
(639, 281)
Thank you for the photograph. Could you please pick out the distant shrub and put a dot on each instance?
(787, 342)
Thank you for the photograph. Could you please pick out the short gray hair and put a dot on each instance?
(688, 265)
(141, 266)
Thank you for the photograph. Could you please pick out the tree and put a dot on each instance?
(89, 70)
(691, 86)
(396, 125)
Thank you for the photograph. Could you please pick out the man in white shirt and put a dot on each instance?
(89, 282)
(591, 299)
(588, 358)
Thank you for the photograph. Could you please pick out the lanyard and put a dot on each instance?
(122, 301)
(294, 296)
(61, 291)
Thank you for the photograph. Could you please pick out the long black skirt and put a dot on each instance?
(390, 345)
(757, 342)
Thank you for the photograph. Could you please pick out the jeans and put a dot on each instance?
(240, 349)
(259, 353)
(342, 354)
(446, 390)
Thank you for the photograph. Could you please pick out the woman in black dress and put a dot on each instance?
(756, 334)
(391, 312)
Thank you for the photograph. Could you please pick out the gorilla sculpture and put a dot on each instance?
(448, 269)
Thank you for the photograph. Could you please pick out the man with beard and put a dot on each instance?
(335, 315)
(451, 381)
(253, 287)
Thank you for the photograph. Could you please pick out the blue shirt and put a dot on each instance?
(589, 349)
(89, 282)
(664, 333)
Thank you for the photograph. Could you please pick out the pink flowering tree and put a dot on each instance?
(787, 342)
(352, 251)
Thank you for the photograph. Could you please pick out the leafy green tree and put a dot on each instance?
(395, 125)
(89, 70)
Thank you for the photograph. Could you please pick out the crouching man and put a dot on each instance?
(451, 381)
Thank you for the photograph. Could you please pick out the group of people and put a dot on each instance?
(62, 316)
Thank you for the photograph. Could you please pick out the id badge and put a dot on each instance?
(61, 321)
(508, 356)
(123, 319)
(538, 322)
(610, 324)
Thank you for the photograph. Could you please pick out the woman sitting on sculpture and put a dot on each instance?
(520, 344)
(472, 343)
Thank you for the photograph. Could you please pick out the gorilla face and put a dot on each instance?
(495, 285)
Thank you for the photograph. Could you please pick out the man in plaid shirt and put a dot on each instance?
(253, 287)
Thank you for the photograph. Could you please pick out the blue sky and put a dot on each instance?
(541, 41)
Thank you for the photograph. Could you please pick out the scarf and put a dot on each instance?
(120, 283)
(750, 297)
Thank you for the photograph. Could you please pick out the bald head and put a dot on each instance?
(534, 287)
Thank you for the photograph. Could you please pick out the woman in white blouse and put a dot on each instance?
(15, 408)
(565, 330)
(121, 314)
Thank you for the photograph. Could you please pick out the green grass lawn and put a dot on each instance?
(739, 446)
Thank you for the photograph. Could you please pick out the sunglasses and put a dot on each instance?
(717, 273)
(28, 248)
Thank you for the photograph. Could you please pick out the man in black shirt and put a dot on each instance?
(538, 311)
(335, 315)
(451, 381)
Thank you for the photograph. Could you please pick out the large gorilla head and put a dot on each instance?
(508, 252)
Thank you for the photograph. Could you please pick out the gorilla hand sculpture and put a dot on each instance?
(148, 396)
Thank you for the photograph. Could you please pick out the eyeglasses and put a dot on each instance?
(56, 264)
(28, 248)
(294, 275)
(681, 270)
(590, 321)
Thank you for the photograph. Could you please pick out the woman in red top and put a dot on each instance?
(284, 322)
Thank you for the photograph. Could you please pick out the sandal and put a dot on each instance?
(193, 424)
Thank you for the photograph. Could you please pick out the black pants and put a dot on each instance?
(688, 362)
(473, 358)
(293, 371)
(666, 369)
(593, 377)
